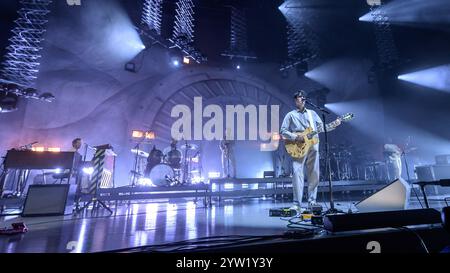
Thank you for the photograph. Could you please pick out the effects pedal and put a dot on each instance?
(307, 215)
(282, 212)
(316, 209)
(317, 220)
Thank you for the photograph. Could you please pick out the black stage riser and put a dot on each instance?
(390, 241)
(385, 219)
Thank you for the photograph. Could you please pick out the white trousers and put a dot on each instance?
(228, 165)
(395, 168)
(311, 162)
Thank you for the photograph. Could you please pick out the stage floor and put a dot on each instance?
(141, 224)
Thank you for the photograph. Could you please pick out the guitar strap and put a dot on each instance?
(312, 124)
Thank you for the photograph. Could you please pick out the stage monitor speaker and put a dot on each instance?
(394, 196)
(49, 200)
(386, 219)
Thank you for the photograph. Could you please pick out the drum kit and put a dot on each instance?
(352, 163)
(172, 167)
(341, 160)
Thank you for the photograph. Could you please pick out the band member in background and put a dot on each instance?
(172, 155)
(393, 156)
(155, 157)
(228, 158)
(295, 121)
(76, 146)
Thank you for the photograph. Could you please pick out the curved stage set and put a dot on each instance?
(245, 127)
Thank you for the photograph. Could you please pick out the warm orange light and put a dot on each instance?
(38, 149)
(137, 134)
(54, 150)
(186, 60)
(276, 136)
(150, 135)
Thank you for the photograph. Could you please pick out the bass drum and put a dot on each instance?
(161, 174)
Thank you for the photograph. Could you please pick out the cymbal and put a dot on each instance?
(191, 147)
(140, 153)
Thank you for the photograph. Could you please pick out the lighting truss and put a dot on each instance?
(152, 15)
(387, 51)
(183, 33)
(28, 93)
(21, 65)
(238, 36)
(302, 42)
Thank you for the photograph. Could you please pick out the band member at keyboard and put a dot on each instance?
(77, 143)
(63, 176)
(393, 156)
(228, 158)
(295, 121)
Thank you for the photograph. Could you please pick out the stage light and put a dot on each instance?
(130, 67)
(120, 40)
(176, 62)
(137, 134)
(418, 13)
(30, 93)
(197, 180)
(238, 67)
(57, 171)
(54, 149)
(38, 149)
(150, 135)
(213, 174)
(143, 181)
(301, 68)
(88, 170)
(8, 102)
(228, 186)
(47, 97)
(195, 160)
(437, 78)
(186, 60)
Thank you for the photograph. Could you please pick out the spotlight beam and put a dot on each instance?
(437, 78)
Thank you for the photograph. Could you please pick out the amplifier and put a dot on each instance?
(385, 219)
(442, 159)
(432, 173)
(425, 173)
(49, 200)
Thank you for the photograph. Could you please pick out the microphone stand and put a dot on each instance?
(324, 112)
(135, 167)
(409, 178)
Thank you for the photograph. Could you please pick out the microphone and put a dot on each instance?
(317, 107)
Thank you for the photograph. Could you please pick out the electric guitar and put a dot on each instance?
(298, 150)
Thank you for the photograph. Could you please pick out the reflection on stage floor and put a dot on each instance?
(141, 224)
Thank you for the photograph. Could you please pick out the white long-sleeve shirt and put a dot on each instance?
(298, 121)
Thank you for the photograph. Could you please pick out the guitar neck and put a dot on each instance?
(330, 126)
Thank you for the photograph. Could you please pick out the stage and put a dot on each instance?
(182, 126)
(139, 224)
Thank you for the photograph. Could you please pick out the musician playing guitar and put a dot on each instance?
(296, 122)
